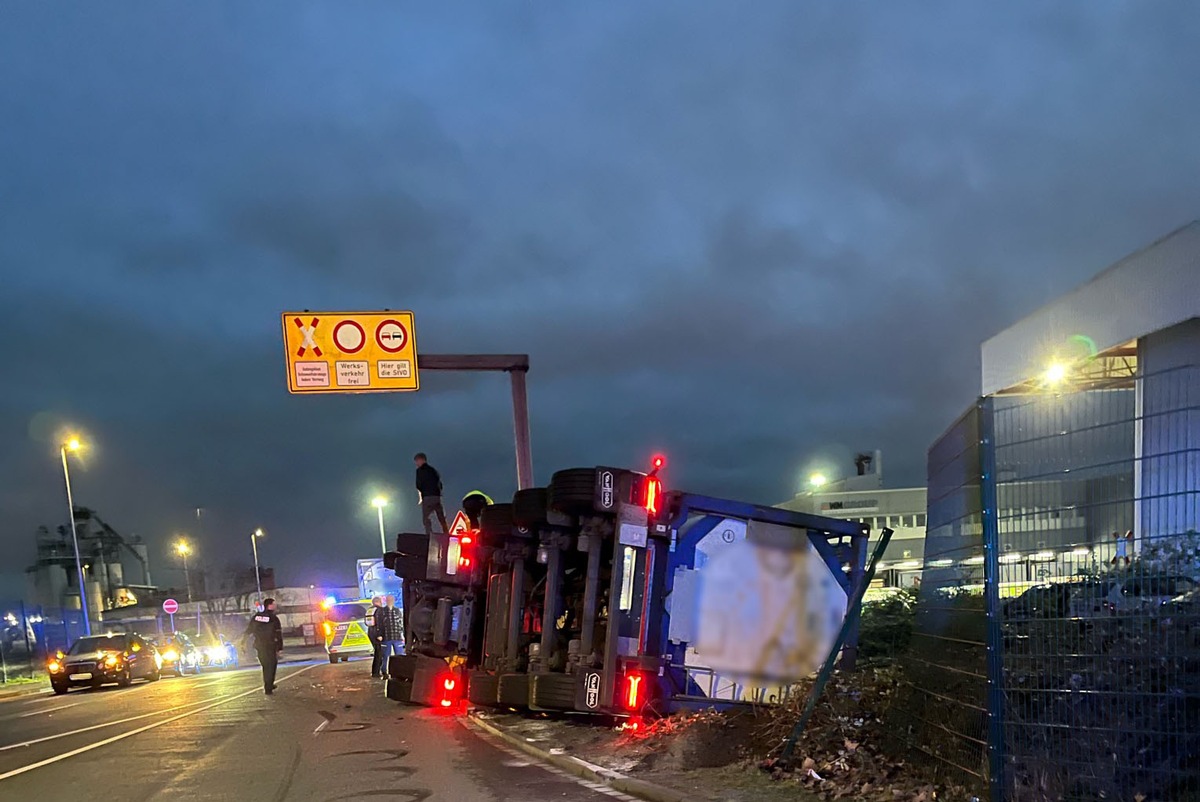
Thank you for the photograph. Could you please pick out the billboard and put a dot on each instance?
(376, 580)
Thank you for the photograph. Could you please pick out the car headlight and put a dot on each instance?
(111, 661)
(54, 667)
(218, 654)
(171, 655)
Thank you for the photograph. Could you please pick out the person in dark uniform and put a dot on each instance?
(376, 638)
(267, 632)
(429, 491)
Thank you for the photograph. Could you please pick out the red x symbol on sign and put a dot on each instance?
(307, 331)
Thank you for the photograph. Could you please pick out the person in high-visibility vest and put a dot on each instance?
(473, 504)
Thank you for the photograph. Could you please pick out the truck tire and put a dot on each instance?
(552, 691)
(496, 522)
(572, 491)
(398, 690)
(513, 691)
(529, 507)
(402, 666)
(483, 689)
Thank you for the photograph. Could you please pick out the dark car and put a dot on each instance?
(105, 659)
(179, 654)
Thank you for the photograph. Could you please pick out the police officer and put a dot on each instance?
(264, 627)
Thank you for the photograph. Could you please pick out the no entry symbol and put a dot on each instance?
(307, 332)
(349, 336)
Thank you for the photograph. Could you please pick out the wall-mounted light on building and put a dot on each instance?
(1042, 557)
(1081, 552)
(1014, 557)
(817, 481)
(973, 561)
(1054, 374)
(942, 563)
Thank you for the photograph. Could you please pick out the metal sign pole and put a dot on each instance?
(516, 365)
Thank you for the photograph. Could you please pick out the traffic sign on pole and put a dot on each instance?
(170, 607)
(350, 352)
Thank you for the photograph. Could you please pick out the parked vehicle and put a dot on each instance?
(104, 659)
(179, 654)
(218, 652)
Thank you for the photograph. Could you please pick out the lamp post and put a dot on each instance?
(254, 536)
(183, 550)
(74, 445)
(379, 502)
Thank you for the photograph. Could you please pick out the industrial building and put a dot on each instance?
(861, 496)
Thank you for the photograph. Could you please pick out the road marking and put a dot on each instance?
(47, 710)
(81, 750)
(101, 726)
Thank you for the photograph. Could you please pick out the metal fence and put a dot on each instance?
(1056, 652)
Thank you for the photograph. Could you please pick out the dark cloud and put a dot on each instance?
(757, 242)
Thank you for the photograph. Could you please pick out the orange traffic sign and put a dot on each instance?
(350, 352)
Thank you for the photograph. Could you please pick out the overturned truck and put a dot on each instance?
(604, 593)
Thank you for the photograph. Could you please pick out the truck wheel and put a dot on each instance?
(529, 507)
(552, 691)
(402, 666)
(572, 491)
(483, 689)
(496, 522)
(513, 691)
(333, 658)
(398, 690)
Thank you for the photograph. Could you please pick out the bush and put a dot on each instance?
(887, 625)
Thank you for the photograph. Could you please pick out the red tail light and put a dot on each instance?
(633, 691)
(449, 685)
(653, 494)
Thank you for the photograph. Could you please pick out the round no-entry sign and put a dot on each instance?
(170, 607)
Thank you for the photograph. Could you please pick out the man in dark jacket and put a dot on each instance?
(267, 632)
(376, 637)
(429, 491)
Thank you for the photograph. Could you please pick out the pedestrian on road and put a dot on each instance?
(376, 637)
(391, 627)
(429, 492)
(267, 632)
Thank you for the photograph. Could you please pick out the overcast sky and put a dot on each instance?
(756, 241)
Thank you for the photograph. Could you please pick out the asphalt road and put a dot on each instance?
(327, 734)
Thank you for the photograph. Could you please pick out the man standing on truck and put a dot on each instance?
(429, 491)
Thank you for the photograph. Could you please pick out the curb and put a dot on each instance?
(584, 770)
(33, 690)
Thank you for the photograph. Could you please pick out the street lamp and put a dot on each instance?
(379, 502)
(73, 445)
(254, 536)
(183, 550)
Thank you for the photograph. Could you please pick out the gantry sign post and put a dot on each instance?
(374, 352)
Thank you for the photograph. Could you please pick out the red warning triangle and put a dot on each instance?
(461, 525)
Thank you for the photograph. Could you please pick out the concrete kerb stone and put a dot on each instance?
(584, 770)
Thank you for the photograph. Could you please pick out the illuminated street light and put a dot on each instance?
(73, 445)
(254, 536)
(818, 480)
(183, 550)
(379, 502)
